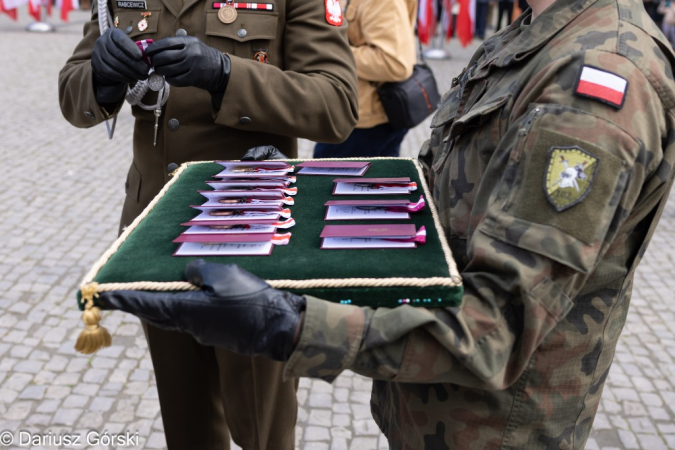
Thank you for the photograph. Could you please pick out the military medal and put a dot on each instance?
(227, 12)
(261, 56)
(143, 24)
(155, 81)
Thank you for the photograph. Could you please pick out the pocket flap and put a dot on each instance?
(447, 109)
(477, 114)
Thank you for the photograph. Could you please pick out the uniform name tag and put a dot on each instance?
(132, 4)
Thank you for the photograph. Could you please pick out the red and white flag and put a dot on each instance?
(426, 21)
(446, 19)
(34, 9)
(11, 12)
(601, 85)
(66, 6)
(465, 21)
(9, 7)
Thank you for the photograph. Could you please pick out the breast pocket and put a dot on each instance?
(250, 30)
(486, 115)
(138, 24)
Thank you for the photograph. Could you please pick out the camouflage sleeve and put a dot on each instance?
(525, 267)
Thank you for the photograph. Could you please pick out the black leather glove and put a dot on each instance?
(262, 153)
(116, 61)
(187, 61)
(234, 310)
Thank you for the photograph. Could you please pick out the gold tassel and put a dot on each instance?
(94, 336)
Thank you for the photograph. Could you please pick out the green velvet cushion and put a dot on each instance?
(146, 255)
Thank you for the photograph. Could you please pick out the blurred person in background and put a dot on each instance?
(667, 8)
(505, 9)
(381, 35)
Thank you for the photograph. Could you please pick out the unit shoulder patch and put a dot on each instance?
(598, 84)
(570, 173)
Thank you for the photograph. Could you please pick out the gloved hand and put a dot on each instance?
(262, 153)
(234, 310)
(116, 61)
(187, 61)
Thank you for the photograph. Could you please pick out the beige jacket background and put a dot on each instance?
(381, 34)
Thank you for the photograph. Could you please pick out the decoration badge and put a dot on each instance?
(570, 173)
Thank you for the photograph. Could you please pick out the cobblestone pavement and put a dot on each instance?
(61, 191)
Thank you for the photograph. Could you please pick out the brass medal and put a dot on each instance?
(227, 13)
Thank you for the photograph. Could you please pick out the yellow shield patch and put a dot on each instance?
(569, 176)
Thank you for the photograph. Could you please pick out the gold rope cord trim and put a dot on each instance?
(452, 265)
(284, 284)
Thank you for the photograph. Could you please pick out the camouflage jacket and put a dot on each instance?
(550, 159)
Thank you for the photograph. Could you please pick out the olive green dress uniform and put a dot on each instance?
(551, 159)
(306, 89)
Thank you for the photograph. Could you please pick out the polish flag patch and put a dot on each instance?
(333, 12)
(601, 85)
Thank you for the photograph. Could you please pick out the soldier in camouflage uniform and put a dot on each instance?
(551, 159)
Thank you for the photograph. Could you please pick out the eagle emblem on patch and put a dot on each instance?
(333, 12)
(569, 177)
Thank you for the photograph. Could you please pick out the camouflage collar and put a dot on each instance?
(513, 46)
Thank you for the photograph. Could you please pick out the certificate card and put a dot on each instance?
(344, 168)
(373, 186)
(248, 183)
(364, 243)
(225, 215)
(231, 229)
(372, 209)
(371, 236)
(346, 212)
(226, 249)
(247, 169)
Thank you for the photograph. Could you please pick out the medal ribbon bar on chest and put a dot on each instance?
(256, 6)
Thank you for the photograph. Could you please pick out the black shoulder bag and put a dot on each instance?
(407, 103)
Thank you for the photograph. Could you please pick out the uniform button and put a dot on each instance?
(242, 33)
(89, 114)
(181, 32)
(174, 124)
(171, 167)
(129, 29)
(244, 120)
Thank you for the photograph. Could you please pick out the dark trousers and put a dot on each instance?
(380, 140)
(208, 394)
(481, 18)
(505, 8)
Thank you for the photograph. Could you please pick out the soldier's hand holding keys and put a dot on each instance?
(116, 61)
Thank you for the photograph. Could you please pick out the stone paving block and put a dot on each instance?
(320, 417)
(363, 443)
(314, 433)
(651, 442)
(628, 439)
(33, 392)
(67, 416)
(320, 400)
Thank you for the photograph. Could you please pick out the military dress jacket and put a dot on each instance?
(292, 75)
(550, 158)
